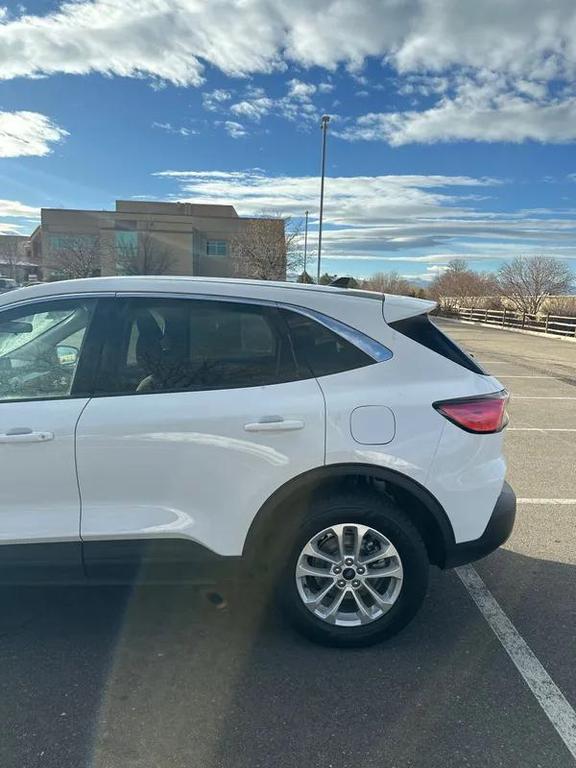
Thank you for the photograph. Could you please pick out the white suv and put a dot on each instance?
(154, 428)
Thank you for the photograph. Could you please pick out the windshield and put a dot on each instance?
(31, 329)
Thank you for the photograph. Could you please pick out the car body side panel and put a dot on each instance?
(465, 472)
(467, 476)
(183, 465)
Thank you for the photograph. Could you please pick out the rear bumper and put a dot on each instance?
(497, 532)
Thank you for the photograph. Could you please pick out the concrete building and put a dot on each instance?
(16, 261)
(195, 239)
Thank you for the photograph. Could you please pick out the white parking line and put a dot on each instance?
(541, 429)
(542, 397)
(523, 376)
(547, 693)
(546, 501)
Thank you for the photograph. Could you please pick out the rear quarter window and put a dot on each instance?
(322, 350)
(421, 329)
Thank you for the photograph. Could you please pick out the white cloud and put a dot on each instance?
(530, 44)
(234, 129)
(356, 199)
(484, 108)
(172, 39)
(17, 210)
(255, 104)
(202, 174)
(428, 275)
(28, 133)
(402, 218)
(179, 131)
(14, 209)
(301, 91)
(254, 108)
(213, 100)
(164, 39)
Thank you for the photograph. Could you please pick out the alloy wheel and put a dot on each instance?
(349, 575)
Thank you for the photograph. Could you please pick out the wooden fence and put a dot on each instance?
(557, 325)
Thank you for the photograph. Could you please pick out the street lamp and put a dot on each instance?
(305, 242)
(324, 127)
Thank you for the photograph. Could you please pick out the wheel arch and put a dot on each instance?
(417, 502)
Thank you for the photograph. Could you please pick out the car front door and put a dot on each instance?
(41, 346)
(200, 413)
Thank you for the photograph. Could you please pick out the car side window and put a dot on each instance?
(323, 350)
(40, 348)
(173, 344)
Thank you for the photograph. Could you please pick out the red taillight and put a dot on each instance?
(483, 414)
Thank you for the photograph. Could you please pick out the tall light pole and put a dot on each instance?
(324, 127)
(305, 241)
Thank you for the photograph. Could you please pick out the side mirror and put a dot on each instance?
(67, 355)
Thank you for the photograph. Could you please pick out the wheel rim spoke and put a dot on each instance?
(338, 531)
(393, 571)
(330, 614)
(303, 569)
(383, 553)
(363, 610)
(312, 550)
(383, 603)
(358, 539)
(317, 598)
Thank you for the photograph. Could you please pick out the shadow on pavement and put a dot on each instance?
(160, 677)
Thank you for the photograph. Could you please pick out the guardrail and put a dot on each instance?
(557, 325)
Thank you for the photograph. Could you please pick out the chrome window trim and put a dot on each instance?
(57, 297)
(371, 347)
(374, 349)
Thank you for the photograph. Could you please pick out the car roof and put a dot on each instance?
(296, 293)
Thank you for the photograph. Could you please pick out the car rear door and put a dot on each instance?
(200, 413)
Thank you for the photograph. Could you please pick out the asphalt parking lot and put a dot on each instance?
(160, 678)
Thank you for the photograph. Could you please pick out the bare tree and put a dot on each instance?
(10, 254)
(77, 256)
(458, 285)
(267, 249)
(527, 282)
(561, 305)
(305, 277)
(388, 282)
(147, 256)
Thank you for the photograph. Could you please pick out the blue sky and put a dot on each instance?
(452, 129)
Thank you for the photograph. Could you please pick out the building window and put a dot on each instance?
(63, 242)
(126, 240)
(216, 248)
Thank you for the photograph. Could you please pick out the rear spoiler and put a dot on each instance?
(396, 308)
(393, 307)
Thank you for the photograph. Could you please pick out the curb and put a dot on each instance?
(553, 337)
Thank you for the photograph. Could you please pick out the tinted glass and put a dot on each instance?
(40, 347)
(322, 350)
(419, 328)
(216, 247)
(162, 345)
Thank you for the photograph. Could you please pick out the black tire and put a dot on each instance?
(382, 514)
